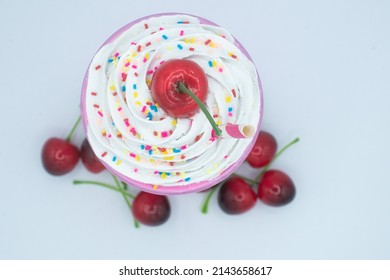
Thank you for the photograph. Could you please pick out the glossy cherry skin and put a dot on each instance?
(151, 209)
(263, 151)
(59, 156)
(276, 188)
(236, 196)
(165, 92)
(89, 159)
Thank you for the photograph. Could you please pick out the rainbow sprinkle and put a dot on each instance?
(232, 55)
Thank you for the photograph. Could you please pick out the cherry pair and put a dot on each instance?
(59, 157)
(236, 196)
(275, 188)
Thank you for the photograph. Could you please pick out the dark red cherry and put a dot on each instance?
(89, 159)
(263, 151)
(165, 91)
(236, 196)
(59, 156)
(276, 188)
(151, 209)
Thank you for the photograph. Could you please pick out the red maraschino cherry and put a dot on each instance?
(165, 87)
(180, 87)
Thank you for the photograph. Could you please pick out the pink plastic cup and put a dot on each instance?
(179, 189)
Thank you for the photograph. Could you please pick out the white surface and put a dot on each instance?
(325, 73)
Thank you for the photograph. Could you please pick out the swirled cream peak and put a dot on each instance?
(132, 135)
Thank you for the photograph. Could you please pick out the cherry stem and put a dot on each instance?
(77, 182)
(265, 169)
(205, 205)
(119, 189)
(184, 89)
(245, 178)
(73, 129)
(123, 192)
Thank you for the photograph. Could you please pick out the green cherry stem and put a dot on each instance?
(265, 169)
(73, 129)
(205, 205)
(123, 192)
(245, 178)
(78, 182)
(116, 182)
(184, 89)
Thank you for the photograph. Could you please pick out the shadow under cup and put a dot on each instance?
(178, 189)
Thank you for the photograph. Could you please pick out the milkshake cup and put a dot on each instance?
(136, 139)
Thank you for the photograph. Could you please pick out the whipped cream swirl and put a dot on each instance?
(134, 137)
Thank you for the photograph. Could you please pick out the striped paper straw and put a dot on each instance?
(235, 131)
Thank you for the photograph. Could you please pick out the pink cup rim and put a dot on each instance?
(179, 189)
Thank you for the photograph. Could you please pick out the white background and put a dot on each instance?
(325, 71)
